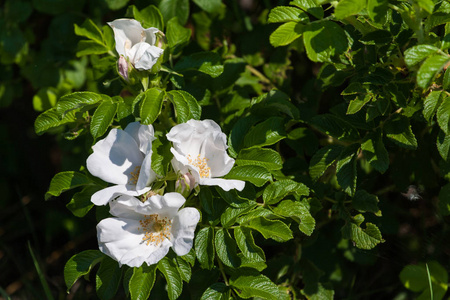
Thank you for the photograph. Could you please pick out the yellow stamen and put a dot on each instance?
(134, 175)
(201, 164)
(155, 229)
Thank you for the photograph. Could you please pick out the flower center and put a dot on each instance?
(201, 165)
(155, 229)
(134, 175)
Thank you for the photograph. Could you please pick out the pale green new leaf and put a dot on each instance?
(286, 34)
(80, 264)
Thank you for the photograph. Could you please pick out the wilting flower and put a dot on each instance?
(199, 148)
(136, 43)
(144, 231)
(124, 159)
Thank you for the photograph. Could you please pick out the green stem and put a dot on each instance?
(222, 271)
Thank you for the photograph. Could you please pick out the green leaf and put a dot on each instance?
(399, 130)
(173, 278)
(416, 54)
(347, 8)
(286, 34)
(47, 120)
(217, 291)
(246, 244)
(228, 218)
(377, 10)
(443, 115)
(444, 200)
(298, 211)
(141, 282)
(78, 100)
(161, 156)
(254, 174)
(183, 267)
(427, 5)
(205, 62)
(149, 16)
(64, 181)
(226, 248)
(375, 152)
(249, 283)
(204, 247)
(346, 169)
(323, 159)
(116, 4)
(210, 6)
(108, 278)
(281, 14)
(91, 31)
(177, 35)
(151, 105)
(267, 158)
(266, 133)
(194, 108)
(103, 118)
(443, 145)
(174, 8)
(324, 40)
(310, 6)
(335, 126)
(81, 203)
(273, 229)
(181, 107)
(79, 265)
(377, 37)
(277, 190)
(430, 68)
(364, 238)
(86, 47)
(365, 202)
(431, 104)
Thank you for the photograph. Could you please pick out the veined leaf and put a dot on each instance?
(151, 105)
(443, 145)
(173, 278)
(310, 6)
(399, 130)
(431, 104)
(108, 278)
(277, 190)
(267, 158)
(254, 174)
(273, 229)
(102, 118)
(298, 211)
(226, 248)
(80, 264)
(443, 115)
(141, 282)
(322, 159)
(204, 247)
(266, 133)
(80, 204)
(249, 283)
(364, 238)
(375, 152)
(286, 34)
(430, 68)
(346, 169)
(324, 40)
(347, 8)
(281, 14)
(416, 54)
(64, 181)
(363, 201)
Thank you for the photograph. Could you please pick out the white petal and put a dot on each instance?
(150, 35)
(103, 196)
(127, 30)
(118, 236)
(144, 55)
(146, 175)
(181, 164)
(225, 184)
(146, 253)
(115, 157)
(183, 228)
(144, 135)
(166, 205)
(124, 206)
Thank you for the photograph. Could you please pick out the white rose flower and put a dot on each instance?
(124, 159)
(136, 43)
(199, 148)
(144, 231)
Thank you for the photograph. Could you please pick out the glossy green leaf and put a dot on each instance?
(266, 133)
(64, 181)
(102, 118)
(173, 278)
(430, 68)
(277, 190)
(151, 105)
(226, 248)
(347, 8)
(298, 211)
(177, 35)
(174, 8)
(141, 282)
(416, 54)
(181, 107)
(194, 108)
(205, 62)
(249, 283)
(78, 100)
(81, 203)
(443, 115)
(210, 6)
(443, 145)
(346, 169)
(79, 265)
(431, 104)
(366, 238)
(246, 244)
(335, 126)
(398, 130)
(286, 34)
(254, 174)
(273, 229)
(183, 267)
(267, 158)
(149, 16)
(217, 291)
(310, 6)
(323, 159)
(204, 247)
(161, 156)
(108, 278)
(281, 14)
(324, 40)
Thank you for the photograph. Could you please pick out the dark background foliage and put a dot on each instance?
(38, 65)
